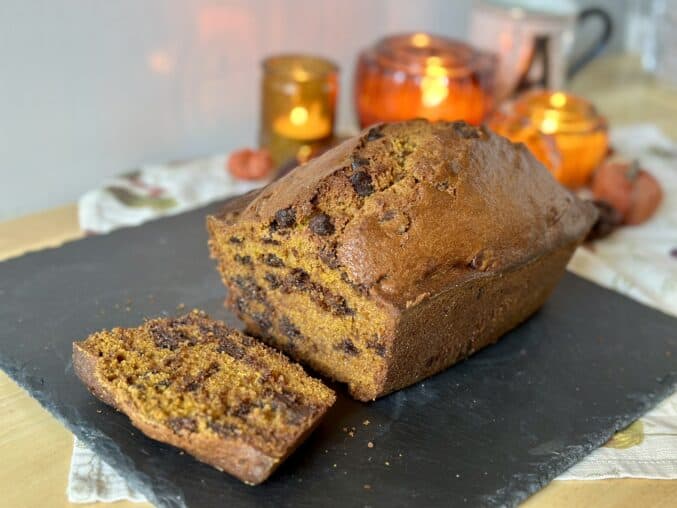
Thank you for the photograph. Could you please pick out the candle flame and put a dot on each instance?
(549, 125)
(298, 115)
(420, 40)
(435, 84)
(558, 100)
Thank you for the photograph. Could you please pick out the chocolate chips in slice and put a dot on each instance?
(321, 224)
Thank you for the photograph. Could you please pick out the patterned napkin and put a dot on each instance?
(640, 262)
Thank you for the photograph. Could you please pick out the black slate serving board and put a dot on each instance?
(488, 432)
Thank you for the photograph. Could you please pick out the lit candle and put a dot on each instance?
(304, 123)
(423, 76)
(572, 123)
(298, 104)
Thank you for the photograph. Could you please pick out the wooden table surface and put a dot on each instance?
(35, 449)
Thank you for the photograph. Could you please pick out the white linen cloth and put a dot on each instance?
(640, 262)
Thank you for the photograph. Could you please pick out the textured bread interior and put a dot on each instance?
(193, 375)
(291, 289)
(289, 297)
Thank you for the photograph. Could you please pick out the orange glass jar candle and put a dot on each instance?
(423, 76)
(520, 130)
(579, 131)
(298, 104)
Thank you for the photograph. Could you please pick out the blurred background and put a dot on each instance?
(89, 88)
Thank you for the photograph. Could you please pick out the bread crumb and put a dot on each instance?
(367, 486)
(351, 434)
(334, 465)
(345, 429)
(366, 422)
(387, 463)
(370, 444)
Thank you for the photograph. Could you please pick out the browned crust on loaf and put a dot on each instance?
(414, 214)
(427, 343)
(230, 455)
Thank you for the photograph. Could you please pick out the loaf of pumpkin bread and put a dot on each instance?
(399, 252)
(192, 382)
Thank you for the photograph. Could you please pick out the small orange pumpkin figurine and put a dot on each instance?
(633, 191)
(247, 164)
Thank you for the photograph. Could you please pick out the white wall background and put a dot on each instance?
(90, 88)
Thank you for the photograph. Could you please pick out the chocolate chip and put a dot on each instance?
(357, 162)
(241, 305)
(269, 241)
(465, 130)
(347, 346)
(273, 280)
(321, 225)
(261, 320)
(374, 134)
(224, 429)
(334, 303)
(235, 239)
(377, 347)
(206, 374)
(328, 256)
(248, 286)
(272, 260)
(166, 336)
(289, 329)
(361, 182)
(230, 347)
(244, 260)
(284, 218)
(388, 215)
(243, 409)
(182, 424)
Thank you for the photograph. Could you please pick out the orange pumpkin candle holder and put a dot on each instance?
(423, 76)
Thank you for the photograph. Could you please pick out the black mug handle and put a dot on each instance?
(599, 44)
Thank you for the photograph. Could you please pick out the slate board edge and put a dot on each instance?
(511, 496)
(99, 443)
(94, 440)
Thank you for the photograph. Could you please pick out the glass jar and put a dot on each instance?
(423, 76)
(579, 131)
(298, 104)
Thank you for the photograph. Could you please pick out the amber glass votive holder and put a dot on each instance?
(580, 132)
(423, 76)
(298, 104)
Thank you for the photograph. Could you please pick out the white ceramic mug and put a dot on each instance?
(533, 40)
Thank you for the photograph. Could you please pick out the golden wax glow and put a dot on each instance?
(304, 123)
(549, 125)
(298, 115)
(420, 40)
(558, 100)
(434, 84)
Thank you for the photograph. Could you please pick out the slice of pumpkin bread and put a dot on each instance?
(197, 384)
